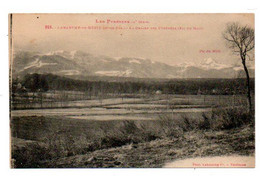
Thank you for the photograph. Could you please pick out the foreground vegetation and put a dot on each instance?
(79, 143)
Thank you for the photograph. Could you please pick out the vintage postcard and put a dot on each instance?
(132, 90)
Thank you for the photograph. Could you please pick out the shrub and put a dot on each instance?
(60, 144)
(129, 132)
(218, 119)
(149, 131)
(63, 141)
(188, 123)
(231, 118)
(112, 140)
(30, 156)
(170, 127)
(205, 123)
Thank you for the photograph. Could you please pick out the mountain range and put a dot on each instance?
(82, 64)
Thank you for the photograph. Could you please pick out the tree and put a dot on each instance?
(241, 39)
(36, 82)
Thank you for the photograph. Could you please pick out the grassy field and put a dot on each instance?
(160, 151)
(157, 130)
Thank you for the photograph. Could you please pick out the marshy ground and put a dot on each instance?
(131, 132)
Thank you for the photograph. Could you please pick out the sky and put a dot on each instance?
(167, 38)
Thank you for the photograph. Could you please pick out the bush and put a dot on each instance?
(30, 156)
(63, 141)
(188, 123)
(231, 118)
(218, 119)
(129, 132)
(169, 127)
(60, 144)
(205, 123)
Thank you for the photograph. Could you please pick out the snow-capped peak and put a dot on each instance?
(206, 64)
(117, 58)
(72, 53)
(126, 73)
(210, 63)
(186, 64)
(55, 52)
(37, 64)
(135, 61)
(67, 54)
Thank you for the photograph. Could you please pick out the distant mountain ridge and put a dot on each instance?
(79, 63)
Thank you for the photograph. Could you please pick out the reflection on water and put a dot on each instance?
(103, 113)
(126, 108)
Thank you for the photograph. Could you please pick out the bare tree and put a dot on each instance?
(241, 39)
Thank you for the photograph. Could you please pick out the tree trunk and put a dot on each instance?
(248, 85)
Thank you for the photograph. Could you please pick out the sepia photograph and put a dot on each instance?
(132, 90)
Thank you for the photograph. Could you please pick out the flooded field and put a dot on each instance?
(132, 108)
(31, 124)
(66, 127)
(92, 119)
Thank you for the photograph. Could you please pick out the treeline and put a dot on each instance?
(44, 82)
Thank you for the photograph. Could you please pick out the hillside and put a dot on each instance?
(79, 64)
